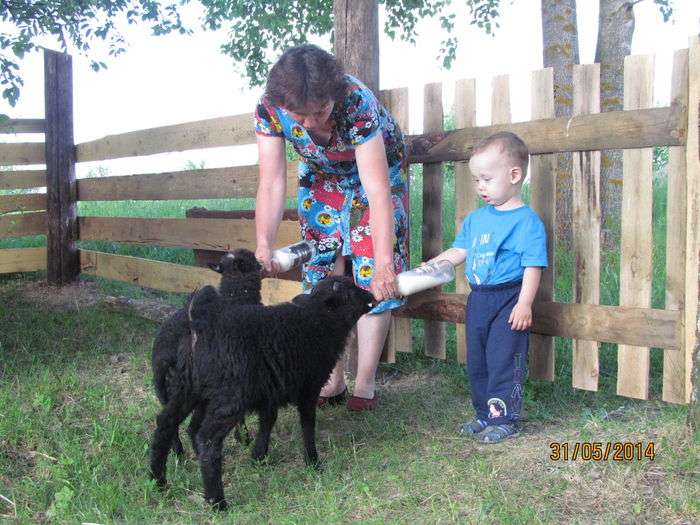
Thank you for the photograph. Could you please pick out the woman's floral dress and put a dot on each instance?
(333, 208)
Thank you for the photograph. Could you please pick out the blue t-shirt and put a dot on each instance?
(501, 244)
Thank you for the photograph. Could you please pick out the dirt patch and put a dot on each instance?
(77, 295)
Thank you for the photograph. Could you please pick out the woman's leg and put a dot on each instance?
(336, 382)
(372, 330)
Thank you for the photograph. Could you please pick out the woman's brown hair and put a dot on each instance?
(305, 74)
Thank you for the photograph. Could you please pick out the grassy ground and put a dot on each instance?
(77, 411)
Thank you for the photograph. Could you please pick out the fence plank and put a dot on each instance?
(19, 180)
(22, 202)
(434, 331)
(18, 225)
(399, 338)
(238, 181)
(542, 200)
(465, 194)
(20, 153)
(23, 125)
(22, 260)
(210, 133)
(611, 324)
(586, 215)
(615, 129)
(171, 277)
(207, 234)
(635, 249)
(674, 362)
(692, 246)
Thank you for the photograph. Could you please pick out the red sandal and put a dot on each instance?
(358, 404)
(332, 400)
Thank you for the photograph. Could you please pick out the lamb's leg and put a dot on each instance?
(196, 424)
(217, 423)
(307, 417)
(167, 424)
(262, 440)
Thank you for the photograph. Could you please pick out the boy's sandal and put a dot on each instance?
(332, 400)
(498, 433)
(475, 426)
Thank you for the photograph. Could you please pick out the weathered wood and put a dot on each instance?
(22, 125)
(500, 100)
(465, 193)
(616, 129)
(63, 265)
(171, 277)
(610, 324)
(692, 244)
(542, 200)
(586, 219)
(22, 260)
(19, 180)
(21, 224)
(239, 181)
(356, 39)
(209, 234)
(399, 338)
(434, 331)
(22, 202)
(635, 245)
(20, 153)
(210, 133)
(674, 362)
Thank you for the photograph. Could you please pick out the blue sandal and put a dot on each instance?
(475, 426)
(498, 433)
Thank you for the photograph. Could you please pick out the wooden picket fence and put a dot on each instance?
(633, 325)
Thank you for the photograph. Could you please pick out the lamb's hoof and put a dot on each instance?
(161, 482)
(316, 464)
(219, 505)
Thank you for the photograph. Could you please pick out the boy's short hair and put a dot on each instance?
(510, 144)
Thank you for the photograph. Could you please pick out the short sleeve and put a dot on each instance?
(266, 121)
(462, 239)
(534, 242)
(363, 115)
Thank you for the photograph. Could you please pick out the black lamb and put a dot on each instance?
(241, 277)
(245, 359)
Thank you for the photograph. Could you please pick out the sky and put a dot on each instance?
(173, 79)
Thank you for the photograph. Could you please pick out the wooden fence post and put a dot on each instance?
(63, 265)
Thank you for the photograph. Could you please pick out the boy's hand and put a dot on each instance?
(521, 317)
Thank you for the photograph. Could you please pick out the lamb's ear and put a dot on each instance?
(216, 267)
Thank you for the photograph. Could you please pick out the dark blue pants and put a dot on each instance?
(496, 354)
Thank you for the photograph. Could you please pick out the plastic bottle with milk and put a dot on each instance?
(424, 277)
(294, 255)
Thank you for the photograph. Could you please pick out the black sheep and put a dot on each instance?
(241, 277)
(245, 359)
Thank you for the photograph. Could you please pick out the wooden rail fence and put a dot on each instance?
(633, 324)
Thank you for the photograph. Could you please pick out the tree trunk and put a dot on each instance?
(560, 52)
(356, 39)
(615, 30)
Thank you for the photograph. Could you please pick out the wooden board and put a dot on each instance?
(210, 133)
(692, 246)
(636, 245)
(399, 338)
(614, 130)
(586, 217)
(22, 202)
(171, 277)
(22, 125)
(20, 153)
(674, 362)
(542, 200)
(14, 180)
(465, 194)
(22, 260)
(610, 324)
(434, 331)
(222, 183)
(21, 224)
(209, 234)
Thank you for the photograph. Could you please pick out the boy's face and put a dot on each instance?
(497, 182)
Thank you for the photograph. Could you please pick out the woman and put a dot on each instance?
(352, 196)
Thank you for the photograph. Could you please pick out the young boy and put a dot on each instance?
(505, 248)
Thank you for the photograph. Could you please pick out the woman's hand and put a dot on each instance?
(264, 256)
(383, 285)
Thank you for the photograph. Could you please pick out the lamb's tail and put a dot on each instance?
(161, 370)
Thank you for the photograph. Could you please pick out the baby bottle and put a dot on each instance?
(424, 277)
(294, 255)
